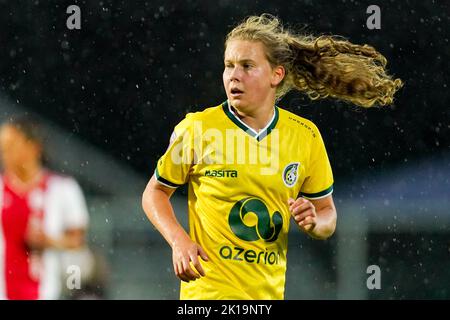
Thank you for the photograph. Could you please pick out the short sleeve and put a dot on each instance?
(173, 167)
(319, 176)
(75, 211)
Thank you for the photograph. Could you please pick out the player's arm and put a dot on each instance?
(315, 217)
(75, 219)
(159, 210)
(72, 239)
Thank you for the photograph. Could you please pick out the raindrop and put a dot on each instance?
(65, 44)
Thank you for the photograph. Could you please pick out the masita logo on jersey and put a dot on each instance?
(266, 228)
(290, 174)
(221, 173)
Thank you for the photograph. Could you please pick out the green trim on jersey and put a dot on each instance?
(247, 129)
(318, 194)
(270, 127)
(165, 181)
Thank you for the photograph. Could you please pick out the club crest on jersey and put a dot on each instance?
(290, 174)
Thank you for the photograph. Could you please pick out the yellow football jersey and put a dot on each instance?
(239, 183)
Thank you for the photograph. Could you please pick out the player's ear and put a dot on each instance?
(278, 74)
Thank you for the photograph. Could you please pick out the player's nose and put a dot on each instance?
(235, 74)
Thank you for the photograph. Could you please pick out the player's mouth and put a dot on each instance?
(235, 92)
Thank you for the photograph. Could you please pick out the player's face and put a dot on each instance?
(16, 149)
(248, 77)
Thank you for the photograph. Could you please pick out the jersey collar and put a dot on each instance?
(257, 135)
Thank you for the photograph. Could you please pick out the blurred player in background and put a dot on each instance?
(42, 213)
(239, 210)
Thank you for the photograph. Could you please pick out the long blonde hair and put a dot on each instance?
(324, 66)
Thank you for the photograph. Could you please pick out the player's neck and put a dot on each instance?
(25, 175)
(256, 118)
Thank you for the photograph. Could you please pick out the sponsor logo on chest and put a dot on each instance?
(221, 173)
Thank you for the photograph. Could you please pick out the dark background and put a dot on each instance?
(134, 69)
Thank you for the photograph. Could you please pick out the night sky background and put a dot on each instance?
(134, 70)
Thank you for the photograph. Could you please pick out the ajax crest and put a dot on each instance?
(290, 174)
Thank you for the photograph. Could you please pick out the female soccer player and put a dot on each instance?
(41, 214)
(251, 165)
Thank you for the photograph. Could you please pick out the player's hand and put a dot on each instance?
(186, 263)
(304, 213)
(36, 239)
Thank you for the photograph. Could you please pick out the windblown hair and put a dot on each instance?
(324, 66)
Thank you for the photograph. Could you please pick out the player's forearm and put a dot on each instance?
(325, 223)
(39, 241)
(159, 210)
(69, 241)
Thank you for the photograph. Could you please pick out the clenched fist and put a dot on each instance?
(304, 213)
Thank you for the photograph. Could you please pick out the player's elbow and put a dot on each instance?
(146, 199)
(329, 231)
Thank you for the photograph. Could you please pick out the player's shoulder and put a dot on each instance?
(53, 175)
(208, 115)
(59, 179)
(297, 123)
